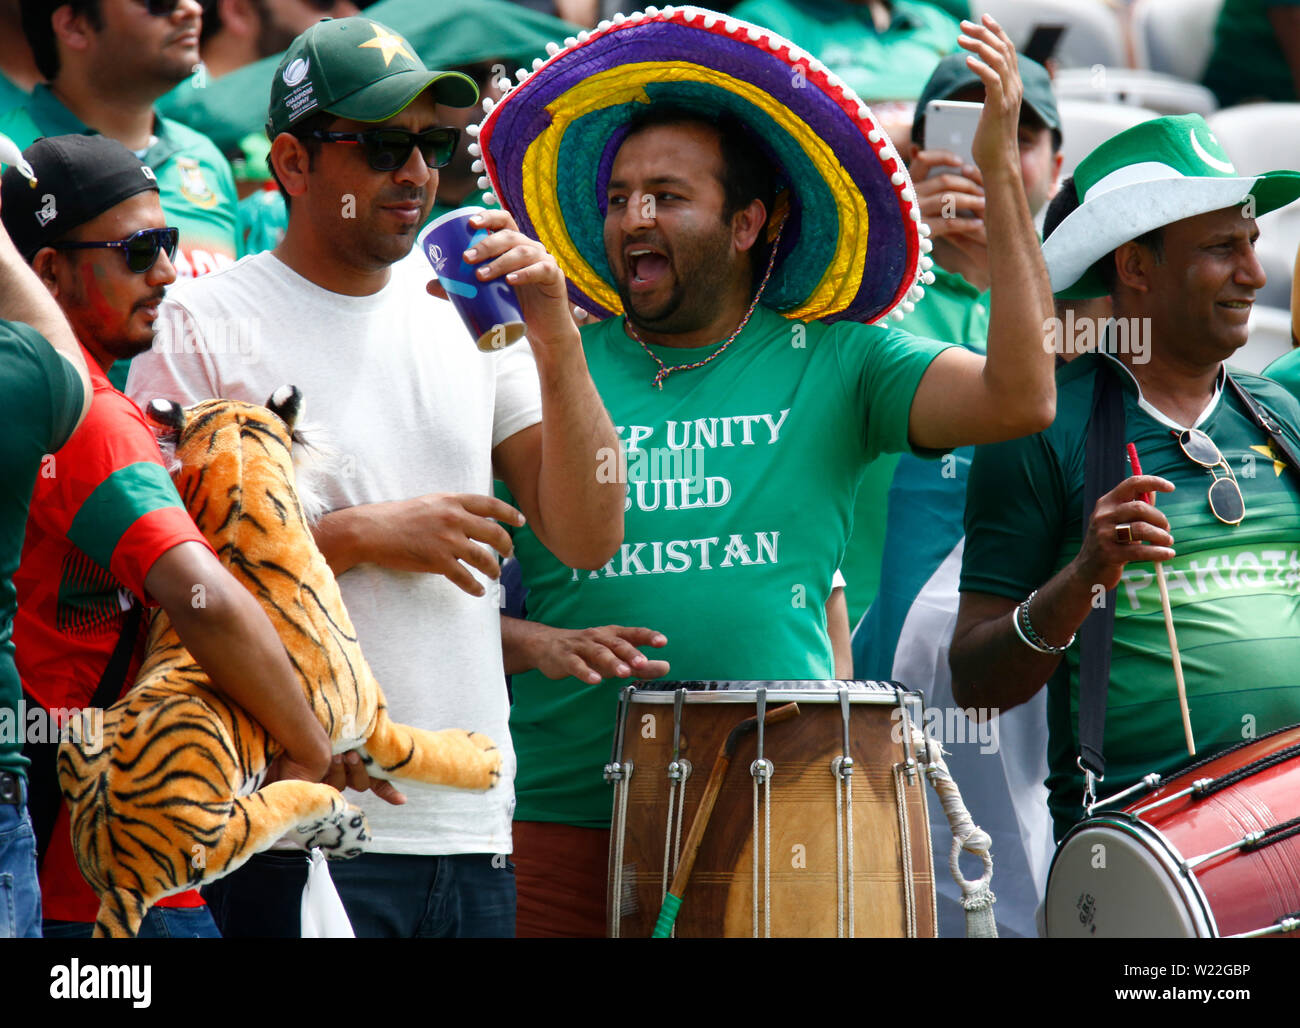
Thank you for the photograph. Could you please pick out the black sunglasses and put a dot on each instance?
(1226, 502)
(140, 249)
(160, 8)
(389, 149)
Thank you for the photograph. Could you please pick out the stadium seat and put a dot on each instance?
(1157, 91)
(1085, 125)
(1262, 137)
(1174, 36)
(1094, 33)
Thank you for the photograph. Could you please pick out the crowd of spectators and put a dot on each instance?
(183, 86)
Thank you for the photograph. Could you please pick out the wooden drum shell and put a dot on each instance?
(803, 876)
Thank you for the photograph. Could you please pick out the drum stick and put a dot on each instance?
(1169, 621)
(673, 901)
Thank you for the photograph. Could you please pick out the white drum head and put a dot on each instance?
(1117, 878)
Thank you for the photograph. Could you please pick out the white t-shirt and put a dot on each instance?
(413, 407)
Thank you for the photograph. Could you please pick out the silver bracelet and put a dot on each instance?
(1024, 629)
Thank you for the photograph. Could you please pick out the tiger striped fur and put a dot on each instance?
(173, 797)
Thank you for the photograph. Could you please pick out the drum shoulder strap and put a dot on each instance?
(1103, 470)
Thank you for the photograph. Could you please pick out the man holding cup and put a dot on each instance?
(412, 407)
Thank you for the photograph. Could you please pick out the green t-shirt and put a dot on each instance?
(1234, 590)
(263, 218)
(890, 65)
(11, 95)
(43, 397)
(1285, 371)
(741, 478)
(195, 186)
(956, 312)
(1247, 62)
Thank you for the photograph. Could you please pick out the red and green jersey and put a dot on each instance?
(104, 509)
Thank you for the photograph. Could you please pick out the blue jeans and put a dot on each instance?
(20, 891)
(387, 896)
(159, 923)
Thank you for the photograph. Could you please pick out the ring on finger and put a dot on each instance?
(1124, 534)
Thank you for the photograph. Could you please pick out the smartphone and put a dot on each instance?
(950, 125)
(1043, 42)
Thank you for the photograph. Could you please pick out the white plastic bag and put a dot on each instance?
(323, 916)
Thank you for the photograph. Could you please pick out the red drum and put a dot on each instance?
(1213, 851)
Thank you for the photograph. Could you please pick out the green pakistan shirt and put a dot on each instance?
(43, 397)
(740, 484)
(890, 65)
(1234, 589)
(1285, 371)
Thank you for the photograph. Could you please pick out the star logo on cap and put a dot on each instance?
(388, 44)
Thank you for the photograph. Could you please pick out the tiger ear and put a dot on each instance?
(167, 419)
(286, 404)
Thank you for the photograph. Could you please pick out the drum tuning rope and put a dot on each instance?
(977, 896)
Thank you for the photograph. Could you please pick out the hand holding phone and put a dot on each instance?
(950, 125)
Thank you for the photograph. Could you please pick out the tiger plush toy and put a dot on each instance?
(173, 796)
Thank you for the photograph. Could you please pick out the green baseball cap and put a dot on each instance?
(952, 75)
(1148, 176)
(355, 68)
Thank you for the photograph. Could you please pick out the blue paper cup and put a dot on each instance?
(490, 310)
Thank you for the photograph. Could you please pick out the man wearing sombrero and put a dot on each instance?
(735, 214)
(1064, 526)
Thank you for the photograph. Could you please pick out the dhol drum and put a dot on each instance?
(1212, 851)
(794, 839)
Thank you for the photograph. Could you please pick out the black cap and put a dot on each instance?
(78, 178)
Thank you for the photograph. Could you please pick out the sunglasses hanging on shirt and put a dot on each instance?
(1226, 501)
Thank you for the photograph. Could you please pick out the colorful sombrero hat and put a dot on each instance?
(853, 245)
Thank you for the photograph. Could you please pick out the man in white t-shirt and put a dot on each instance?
(421, 421)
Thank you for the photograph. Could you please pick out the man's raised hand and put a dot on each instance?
(996, 143)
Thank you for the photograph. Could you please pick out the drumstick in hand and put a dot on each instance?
(673, 901)
(1169, 620)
